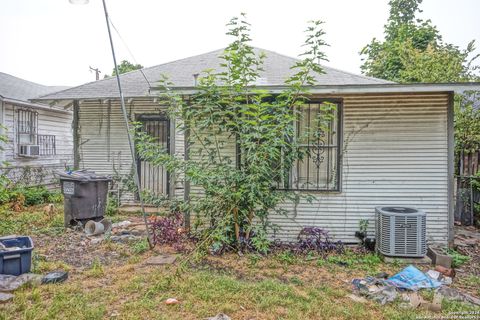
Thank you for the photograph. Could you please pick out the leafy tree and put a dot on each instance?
(126, 66)
(238, 198)
(467, 123)
(413, 50)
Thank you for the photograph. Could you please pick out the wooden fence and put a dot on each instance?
(467, 195)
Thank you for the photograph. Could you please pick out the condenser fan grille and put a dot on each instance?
(401, 231)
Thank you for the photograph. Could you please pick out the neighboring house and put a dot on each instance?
(392, 143)
(39, 135)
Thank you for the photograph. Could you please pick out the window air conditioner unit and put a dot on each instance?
(401, 231)
(29, 150)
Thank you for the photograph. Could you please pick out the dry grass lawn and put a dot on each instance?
(280, 286)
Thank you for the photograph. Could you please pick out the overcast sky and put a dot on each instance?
(53, 42)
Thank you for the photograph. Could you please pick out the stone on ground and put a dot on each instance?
(160, 260)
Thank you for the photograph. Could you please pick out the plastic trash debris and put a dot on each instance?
(93, 228)
(435, 275)
(375, 289)
(55, 277)
(440, 277)
(172, 301)
(447, 281)
(411, 278)
(384, 294)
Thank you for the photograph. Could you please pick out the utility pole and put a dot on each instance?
(97, 72)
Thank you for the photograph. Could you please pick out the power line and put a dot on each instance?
(129, 51)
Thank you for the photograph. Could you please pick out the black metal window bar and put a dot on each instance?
(318, 132)
(27, 128)
(47, 144)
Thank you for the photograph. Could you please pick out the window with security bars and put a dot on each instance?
(27, 126)
(318, 133)
(30, 143)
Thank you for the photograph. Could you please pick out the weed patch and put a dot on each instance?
(458, 258)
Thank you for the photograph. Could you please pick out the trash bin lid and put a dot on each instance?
(82, 175)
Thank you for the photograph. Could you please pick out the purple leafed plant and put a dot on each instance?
(317, 239)
(168, 230)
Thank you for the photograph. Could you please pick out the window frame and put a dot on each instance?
(24, 115)
(46, 143)
(339, 151)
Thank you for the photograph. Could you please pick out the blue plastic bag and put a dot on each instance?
(411, 278)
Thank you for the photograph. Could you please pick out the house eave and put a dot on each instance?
(34, 105)
(359, 89)
(386, 88)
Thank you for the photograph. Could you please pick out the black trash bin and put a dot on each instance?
(85, 196)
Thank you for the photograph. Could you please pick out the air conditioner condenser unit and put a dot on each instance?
(401, 231)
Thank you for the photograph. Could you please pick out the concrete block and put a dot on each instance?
(439, 257)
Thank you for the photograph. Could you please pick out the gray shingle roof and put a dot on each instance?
(18, 89)
(180, 72)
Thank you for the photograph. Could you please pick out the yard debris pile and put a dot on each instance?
(406, 284)
(77, 249)
(122, 231)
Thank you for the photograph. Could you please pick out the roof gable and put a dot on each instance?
(18, 89)
(277, 68)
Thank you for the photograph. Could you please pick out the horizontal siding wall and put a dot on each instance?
(40, 170)
(394, 153)
(227, 148)
(103, 137)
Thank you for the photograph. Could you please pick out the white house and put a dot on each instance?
(392, 144)
(39, 136)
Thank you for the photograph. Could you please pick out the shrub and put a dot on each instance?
(29, 196)
(317, 239)
(458, 258)
(168, 230)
